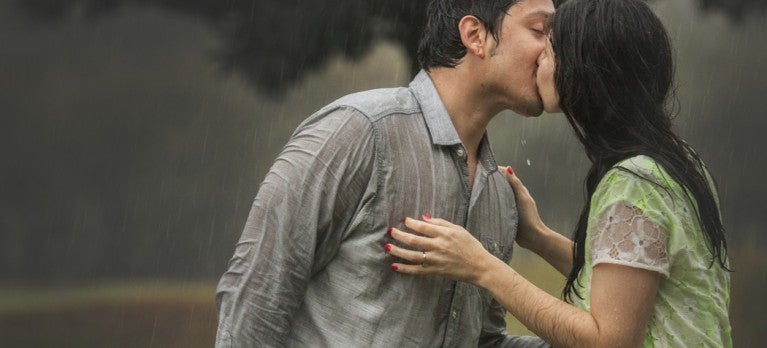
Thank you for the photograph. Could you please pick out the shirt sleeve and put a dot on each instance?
(626, 237)
(295, 226)
(632, 211)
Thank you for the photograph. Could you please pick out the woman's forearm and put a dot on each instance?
(555, 248)
(555, 321)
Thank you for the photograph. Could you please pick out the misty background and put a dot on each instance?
(135, 133)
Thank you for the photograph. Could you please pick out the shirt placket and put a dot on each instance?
(453, 327)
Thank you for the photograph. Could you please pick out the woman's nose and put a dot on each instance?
(541, 57)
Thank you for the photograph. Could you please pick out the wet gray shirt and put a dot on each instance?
(310, 269)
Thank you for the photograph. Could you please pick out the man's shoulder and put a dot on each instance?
(379, 103)
(360, 112)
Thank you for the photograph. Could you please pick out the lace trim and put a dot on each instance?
(627, 237)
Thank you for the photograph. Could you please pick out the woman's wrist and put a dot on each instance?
(489, 271)
(538, 242)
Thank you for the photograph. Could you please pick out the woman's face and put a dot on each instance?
(545, 79)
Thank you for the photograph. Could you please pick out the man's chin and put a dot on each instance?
(532, 111)
(532, 115)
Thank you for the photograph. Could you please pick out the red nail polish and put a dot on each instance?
(426, 217)
(387, 248)
(389, 231)
(394, 267)
(510, 170)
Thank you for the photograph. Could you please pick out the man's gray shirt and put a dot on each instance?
(310, 269)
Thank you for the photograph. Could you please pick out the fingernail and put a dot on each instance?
(387, 248)
(510, 170)
(389, 231)
(394, 267)
(426, 217)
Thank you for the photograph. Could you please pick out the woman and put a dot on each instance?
(647, 264)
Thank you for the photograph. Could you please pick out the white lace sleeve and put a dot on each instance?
(624, 236)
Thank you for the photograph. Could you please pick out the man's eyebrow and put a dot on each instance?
(540, 13)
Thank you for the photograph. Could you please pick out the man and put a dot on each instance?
(310, 269)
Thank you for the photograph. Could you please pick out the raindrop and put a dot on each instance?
(528, 162)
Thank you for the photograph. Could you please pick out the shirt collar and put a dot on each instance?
(437, 119)
(441, 128)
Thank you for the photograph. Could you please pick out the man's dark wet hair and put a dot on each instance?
(441, 41)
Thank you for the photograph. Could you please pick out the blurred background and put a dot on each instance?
(134, 135)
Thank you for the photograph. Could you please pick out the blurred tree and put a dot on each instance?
(276, 42)
(736, 9)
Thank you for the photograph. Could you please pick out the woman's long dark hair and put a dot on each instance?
(614, 75)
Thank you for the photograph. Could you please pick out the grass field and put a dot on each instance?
(115, 315)
(167, 314)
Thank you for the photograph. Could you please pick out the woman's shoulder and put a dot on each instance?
(641, 168)
(641, 165)
(636, 180)
(639, 182)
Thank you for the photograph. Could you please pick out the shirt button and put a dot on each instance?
(454, 314)
(460, 152)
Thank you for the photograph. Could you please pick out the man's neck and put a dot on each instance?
(468, 108)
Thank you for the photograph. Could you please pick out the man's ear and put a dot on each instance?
(473, 36)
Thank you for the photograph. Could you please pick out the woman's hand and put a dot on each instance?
(442, 248)
(531, 226)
